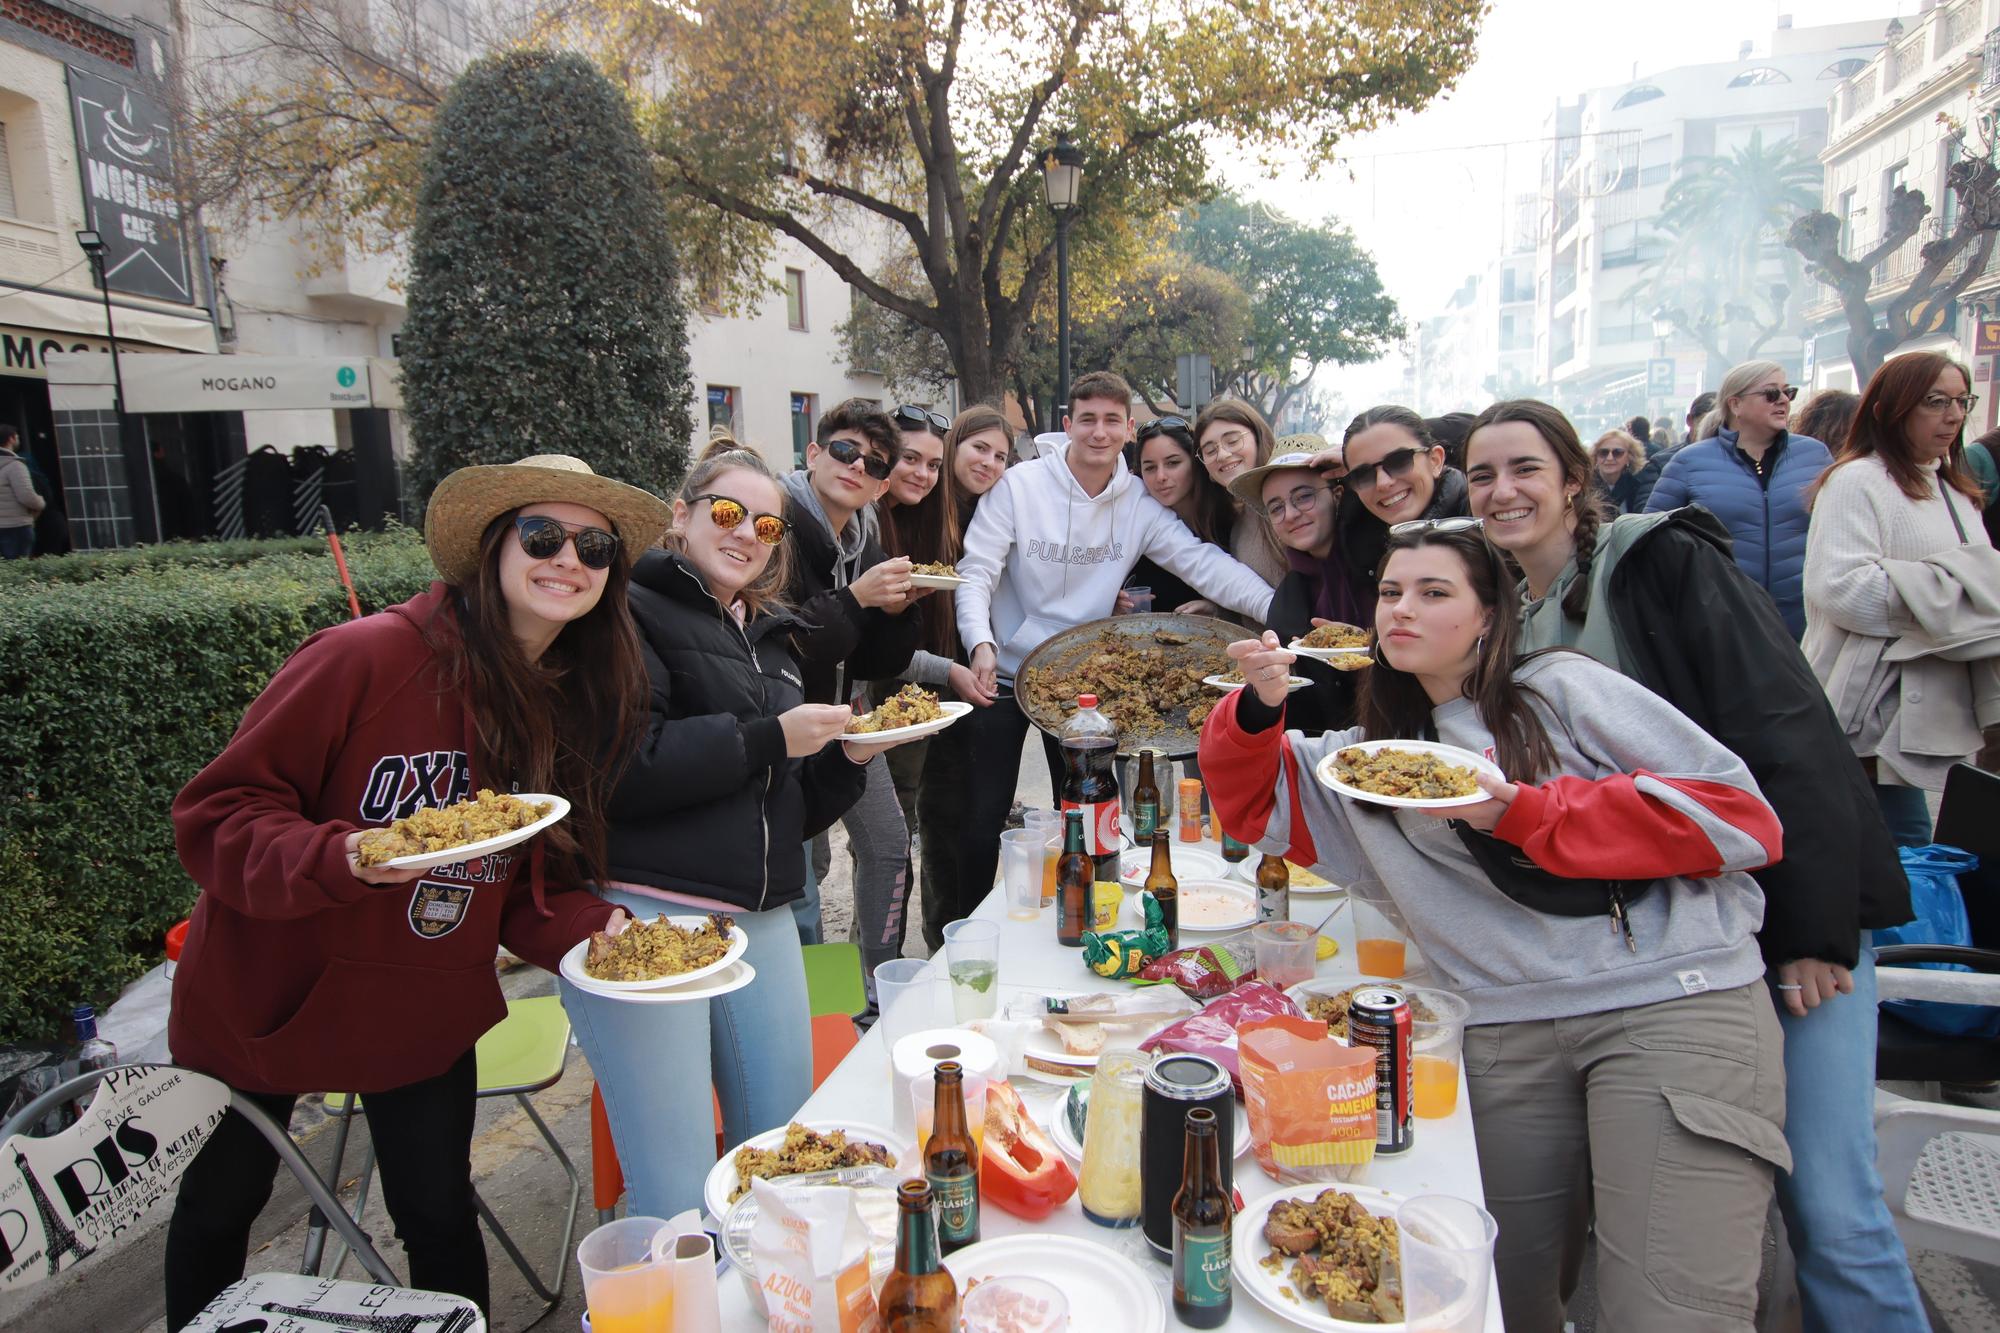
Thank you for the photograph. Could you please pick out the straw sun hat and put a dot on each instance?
(472, 497)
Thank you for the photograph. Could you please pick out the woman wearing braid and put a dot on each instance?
(1659, 597)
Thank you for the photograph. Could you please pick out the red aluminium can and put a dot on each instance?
(1379, 1016)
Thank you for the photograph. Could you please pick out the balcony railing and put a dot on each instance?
(1989, 61)
(1959, 25)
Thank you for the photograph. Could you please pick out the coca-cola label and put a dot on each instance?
(1100, 825)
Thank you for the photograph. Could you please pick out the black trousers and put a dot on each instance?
(423, 1144)
(991, 748)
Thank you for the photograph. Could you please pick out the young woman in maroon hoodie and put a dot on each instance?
(305, 971)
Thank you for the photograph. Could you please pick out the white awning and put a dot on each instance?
(190, 332)
(160, 383)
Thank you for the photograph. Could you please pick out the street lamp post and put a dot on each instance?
(1663, 329)
(92, 246)
(1062, 181)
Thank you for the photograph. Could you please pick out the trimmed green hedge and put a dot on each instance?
(89, 566)
(114, 692)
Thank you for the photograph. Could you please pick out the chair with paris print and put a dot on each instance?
(123, 1151)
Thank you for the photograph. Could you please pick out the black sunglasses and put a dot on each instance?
(1161, 425)
(1395, 463)
(1773, 394)
(911, 417)
(845, 452)
(541, 538)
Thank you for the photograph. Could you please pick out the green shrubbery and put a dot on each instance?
(119, 679)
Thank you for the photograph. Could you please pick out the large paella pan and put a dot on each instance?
(1146, 670)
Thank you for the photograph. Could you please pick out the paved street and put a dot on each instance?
(120, 1293)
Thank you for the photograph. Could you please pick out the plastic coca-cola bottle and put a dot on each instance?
(1090, 784)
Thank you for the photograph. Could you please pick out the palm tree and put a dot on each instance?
(1721, 217)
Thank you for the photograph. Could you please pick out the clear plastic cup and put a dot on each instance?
(1287, 952)
(1014, 1305)
(1021, 870)
(906, 995)
(1381, 943)
(627, 1288)
(1141, 598)
(1437, 1045)
(972, 961)
(1049, 824)
(1447, 1249)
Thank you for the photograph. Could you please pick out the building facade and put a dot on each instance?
(1610, 156)
(1896, 121)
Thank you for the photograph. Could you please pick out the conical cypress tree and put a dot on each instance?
(545, 304)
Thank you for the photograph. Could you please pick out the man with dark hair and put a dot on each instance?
(851, 599)
(1660, 455)
(1049, 547)
(20, 502)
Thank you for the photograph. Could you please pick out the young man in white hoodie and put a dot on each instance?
(1049, 547)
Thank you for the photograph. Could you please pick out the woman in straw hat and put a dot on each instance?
(305, 970)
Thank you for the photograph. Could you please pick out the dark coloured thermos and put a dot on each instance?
(1176, 1084)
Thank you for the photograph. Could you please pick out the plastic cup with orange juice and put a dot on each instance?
(627, 1288)
(1378, 939)
(1437, 1044)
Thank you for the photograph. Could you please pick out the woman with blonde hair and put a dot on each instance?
(733, 772)
(1230, 438)
(1614, 478)
(1753, 474)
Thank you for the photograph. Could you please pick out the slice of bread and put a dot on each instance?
(1081, 1038)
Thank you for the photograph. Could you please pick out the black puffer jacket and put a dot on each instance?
(1362, 537)
(841, 643)
(1328, 703)
(711, 804)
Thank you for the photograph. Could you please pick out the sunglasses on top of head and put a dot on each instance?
(847, 452)
(542, 538)
(726, 514)
(911, 417)
(1161, 425)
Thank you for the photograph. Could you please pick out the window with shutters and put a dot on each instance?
(7, 206)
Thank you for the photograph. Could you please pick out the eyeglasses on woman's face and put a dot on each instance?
(542, 538)
(726, 514)
(1301, 500)
(1395, 463)
(1232, 441)
(1938, 402)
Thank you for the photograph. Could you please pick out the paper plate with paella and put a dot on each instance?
(1413, 775)
(910, 712)
(462, 831)
(664, 954)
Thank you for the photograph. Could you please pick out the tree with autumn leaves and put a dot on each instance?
(921, 119)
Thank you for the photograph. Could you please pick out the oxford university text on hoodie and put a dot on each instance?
(1639, 792)
(1042, 555)
(299, 977)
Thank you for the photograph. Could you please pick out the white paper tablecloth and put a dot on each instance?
(1443, 1160)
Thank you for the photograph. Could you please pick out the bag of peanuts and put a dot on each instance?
(1310, 1099)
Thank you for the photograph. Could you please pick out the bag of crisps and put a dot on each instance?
(1310, 1099)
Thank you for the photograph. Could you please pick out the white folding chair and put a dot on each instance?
(69, 1193)
(1940, 1164)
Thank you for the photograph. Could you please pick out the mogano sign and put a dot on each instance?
(64, 1197)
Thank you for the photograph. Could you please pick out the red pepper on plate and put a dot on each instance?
(1020, 1168)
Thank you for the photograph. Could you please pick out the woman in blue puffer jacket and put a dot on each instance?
(1753, 476)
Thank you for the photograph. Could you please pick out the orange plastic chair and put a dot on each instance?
(833, 1037)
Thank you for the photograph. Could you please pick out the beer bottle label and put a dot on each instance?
(957, 1208)
(1204, 1264)
(1145, 819)
(1100, 825)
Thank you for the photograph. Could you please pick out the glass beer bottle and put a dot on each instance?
(1274, 890)
(1166, 890)
(920, 1296)
(1076, 877)
(951, 1162)
(1145, 801)
(1202, 1285)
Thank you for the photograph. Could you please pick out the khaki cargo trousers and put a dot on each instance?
(1661, 1123)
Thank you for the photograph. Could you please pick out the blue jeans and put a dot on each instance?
(1906, 813)
(649, 1058)
(805, 911)
(1853, 1273)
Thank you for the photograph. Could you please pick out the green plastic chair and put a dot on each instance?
(522, 1054)
(833, 978)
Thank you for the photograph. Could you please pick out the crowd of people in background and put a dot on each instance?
(1721, 665)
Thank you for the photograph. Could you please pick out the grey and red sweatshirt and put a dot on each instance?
(298, 977)
(1639, 793)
